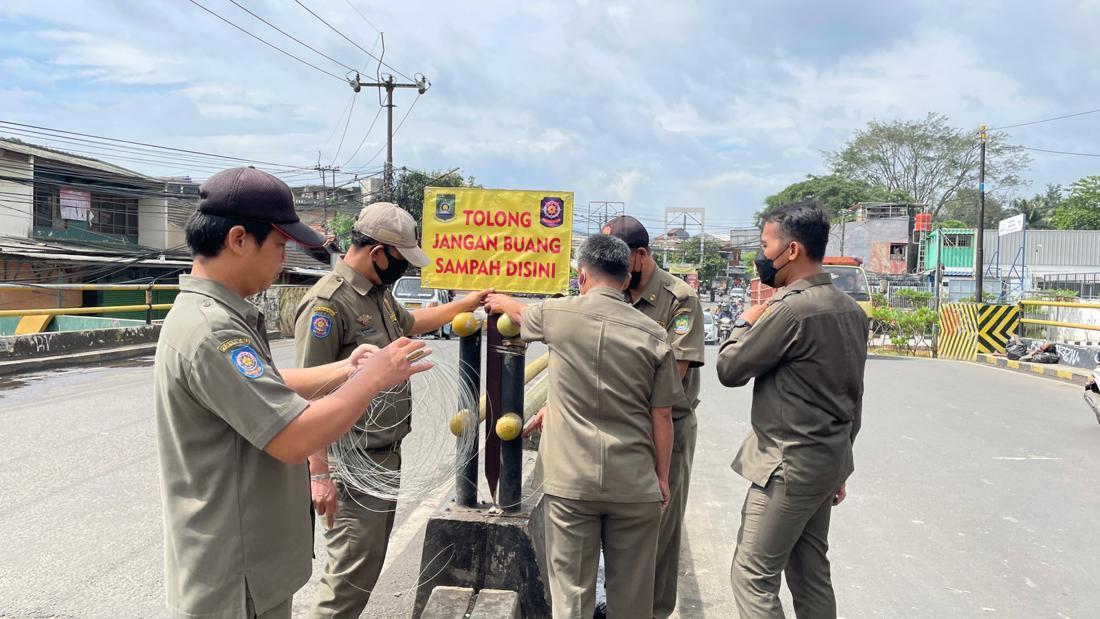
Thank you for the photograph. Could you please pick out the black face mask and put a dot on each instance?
(765, 268)
(635, 280)
(393, 272)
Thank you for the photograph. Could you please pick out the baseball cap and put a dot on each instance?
(392, 225)
(248, 193)
(630, 230)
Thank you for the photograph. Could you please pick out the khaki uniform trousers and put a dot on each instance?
(356, 546)
(672, 521)
(787, 534)
(574, 533)
(282, 611)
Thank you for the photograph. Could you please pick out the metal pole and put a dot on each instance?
(938, 283)
(389, 137)
(979, 243)
(149, 304)
(469, 373)
(511, 452)
(493, 406)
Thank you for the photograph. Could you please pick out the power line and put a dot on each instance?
(340, 147)
(354, 8)
(290, 36)
(271, 45)
(1045, 120)
(396, 129)
(1060, 152)
(366, 135)
(345, 37)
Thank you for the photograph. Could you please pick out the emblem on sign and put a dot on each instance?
(445, 207)
(247, 362)
(552, 213)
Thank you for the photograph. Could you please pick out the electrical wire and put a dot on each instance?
(291, 37)
(366, 135)
(1059, 152)
(345, 37)
(1044, 120)
(368, 22)
(271, 45)
(340, 146)
(395, 130)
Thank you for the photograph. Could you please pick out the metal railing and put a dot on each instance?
(1024, 320)
(148, 307)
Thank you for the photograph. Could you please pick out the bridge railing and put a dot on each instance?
(1060, 321)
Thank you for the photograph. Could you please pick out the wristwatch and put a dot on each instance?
(742, 323)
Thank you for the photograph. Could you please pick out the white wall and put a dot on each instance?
(16, 208)
(152, 222)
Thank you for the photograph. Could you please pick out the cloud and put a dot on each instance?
(110, 61)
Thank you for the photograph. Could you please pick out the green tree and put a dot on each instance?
(928, 160)
(341, 227)
(409, 190)
(1081, 208)
(950, 223)
(835, 193)
(963, 206)
(1037, 210)
(748, 261)
(713, 264)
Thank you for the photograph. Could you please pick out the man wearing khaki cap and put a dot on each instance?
(234, 431)
(351, 306)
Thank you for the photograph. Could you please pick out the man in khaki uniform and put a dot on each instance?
(233, 432)
(607, 434)
(806, 349)
(672, 303)
(349, 307)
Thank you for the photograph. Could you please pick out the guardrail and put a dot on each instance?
(1056, 323)
(148, 307)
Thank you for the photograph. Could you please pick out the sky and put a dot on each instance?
(705, 104)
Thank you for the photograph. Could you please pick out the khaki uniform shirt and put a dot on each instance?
(807, 353)
(672, 303)
(609, 365)
(340, 312)
(234, 516)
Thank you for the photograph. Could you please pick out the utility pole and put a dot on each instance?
(979, 243)
(390, 83)
(328, 195)
(595, 206)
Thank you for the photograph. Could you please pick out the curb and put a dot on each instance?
(1060, 373)
(34, 364)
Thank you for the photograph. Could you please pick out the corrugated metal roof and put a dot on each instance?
(1055, 248)
(42, 152)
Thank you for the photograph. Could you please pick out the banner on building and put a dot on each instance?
(510, 240)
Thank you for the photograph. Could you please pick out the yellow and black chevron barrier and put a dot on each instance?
(996, 325)
(958, 338)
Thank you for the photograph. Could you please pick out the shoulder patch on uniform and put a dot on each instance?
(681, 323)
(324, 309)
(233, 343)
(328, 286)
(320, 324)
(247, 362)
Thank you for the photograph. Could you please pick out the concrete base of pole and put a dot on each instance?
(482, 548)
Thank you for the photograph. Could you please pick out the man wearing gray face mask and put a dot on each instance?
(671, 302)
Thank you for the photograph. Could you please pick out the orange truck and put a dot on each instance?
(848, 275)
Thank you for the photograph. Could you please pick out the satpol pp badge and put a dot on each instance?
(247, 362)
(320, 324)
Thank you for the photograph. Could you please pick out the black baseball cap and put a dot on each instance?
(629, 230)
(248, 193)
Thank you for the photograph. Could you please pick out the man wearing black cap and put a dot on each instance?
(671, 302)
(349, 307)
(234, 432)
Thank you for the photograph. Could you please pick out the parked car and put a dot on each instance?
(412, 296)
(710, 328)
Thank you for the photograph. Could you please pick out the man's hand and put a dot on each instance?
(395, 363)
(323, 493)
(754, 313)
(503, 304)
(840, 495)
(666, 494)
(359, 356)
(536, 423)
(473, 300)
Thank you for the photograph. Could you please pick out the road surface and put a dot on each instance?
(974, 496)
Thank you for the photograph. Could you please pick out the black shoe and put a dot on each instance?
(601, 611)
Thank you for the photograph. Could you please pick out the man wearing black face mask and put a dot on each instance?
(806, 349)
(350, 306)
(671, 302)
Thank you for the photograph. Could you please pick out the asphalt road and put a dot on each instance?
(974, 496)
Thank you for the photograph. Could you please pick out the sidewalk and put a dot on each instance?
(1056, 371)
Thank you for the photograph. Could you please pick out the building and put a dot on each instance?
(883, 235)
(317, 204)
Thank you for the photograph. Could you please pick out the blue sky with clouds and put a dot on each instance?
(703, 104)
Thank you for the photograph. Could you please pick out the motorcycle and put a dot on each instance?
(725, 322)
(1092, 390)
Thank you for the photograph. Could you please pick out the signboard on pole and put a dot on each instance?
(511, 240)
(1010, 225)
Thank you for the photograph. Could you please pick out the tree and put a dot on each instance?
(963, 206)
(341, 227)
(749, 262)
(713, 264)
(835, 193)
(1081, 208)
(1038, 209)
(409, 190)
(950, 223)
(928, 160)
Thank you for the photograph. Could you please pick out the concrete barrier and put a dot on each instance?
(60, 343)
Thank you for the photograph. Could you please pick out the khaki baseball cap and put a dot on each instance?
(392, 225)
